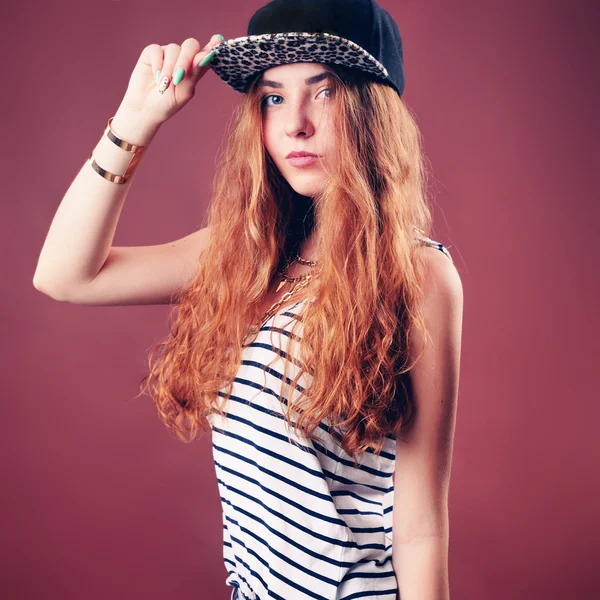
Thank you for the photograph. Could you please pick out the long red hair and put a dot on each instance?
(357, 330)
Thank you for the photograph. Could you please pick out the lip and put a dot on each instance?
(295, 153)
(302, 161)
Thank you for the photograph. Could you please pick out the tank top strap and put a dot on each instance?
(434, 244)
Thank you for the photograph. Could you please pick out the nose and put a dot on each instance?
(298, 120)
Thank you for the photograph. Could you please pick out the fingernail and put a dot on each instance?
(206, 59)
(157, 76)
(220, 37)
(178, 75)
(164, 84)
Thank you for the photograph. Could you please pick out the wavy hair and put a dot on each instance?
(357, 331)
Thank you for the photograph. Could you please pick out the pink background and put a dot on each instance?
(101, 501)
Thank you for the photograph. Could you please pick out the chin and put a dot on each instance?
(306, 186)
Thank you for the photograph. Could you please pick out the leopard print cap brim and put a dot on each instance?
(237, 61)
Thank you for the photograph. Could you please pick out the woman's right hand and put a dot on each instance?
(143, 98)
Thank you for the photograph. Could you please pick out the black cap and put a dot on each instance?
(355, 33)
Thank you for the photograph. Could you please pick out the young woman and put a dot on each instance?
(318, 326)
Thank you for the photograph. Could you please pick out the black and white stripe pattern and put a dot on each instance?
(298, 522)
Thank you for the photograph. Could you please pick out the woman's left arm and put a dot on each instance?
(420, 529)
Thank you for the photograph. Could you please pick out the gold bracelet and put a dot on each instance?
(133, 148)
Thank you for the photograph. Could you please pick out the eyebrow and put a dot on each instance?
(309, 81)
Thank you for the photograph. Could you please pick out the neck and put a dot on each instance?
(308, 248)
(302, 227)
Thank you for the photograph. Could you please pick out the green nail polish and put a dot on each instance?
(221, 37)
(206, 59)
(178, 75)
(157, 76)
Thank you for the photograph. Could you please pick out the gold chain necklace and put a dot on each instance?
(299, 283)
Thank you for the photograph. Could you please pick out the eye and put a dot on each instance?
(265, 104)
(265, 99)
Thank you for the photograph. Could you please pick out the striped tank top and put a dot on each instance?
(298, 522)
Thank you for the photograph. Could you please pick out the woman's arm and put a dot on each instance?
(424, 451)
(81, 233)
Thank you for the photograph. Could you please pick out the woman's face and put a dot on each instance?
(295, 99)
